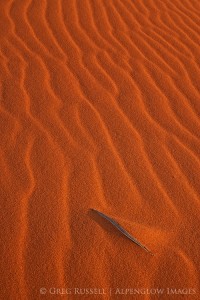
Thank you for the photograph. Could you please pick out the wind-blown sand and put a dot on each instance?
(100, 103)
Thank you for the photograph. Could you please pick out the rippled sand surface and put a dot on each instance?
(99, 108)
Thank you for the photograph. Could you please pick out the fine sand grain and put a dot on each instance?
(99, 108)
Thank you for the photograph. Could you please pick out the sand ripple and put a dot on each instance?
(99, 109)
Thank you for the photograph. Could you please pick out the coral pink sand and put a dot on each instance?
(100, 103)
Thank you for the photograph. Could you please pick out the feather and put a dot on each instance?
(122, 230)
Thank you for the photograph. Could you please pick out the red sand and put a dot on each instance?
(100, 103)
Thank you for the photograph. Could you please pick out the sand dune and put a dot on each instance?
(100, 104)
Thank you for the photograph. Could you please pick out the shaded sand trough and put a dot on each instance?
(100, 103)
